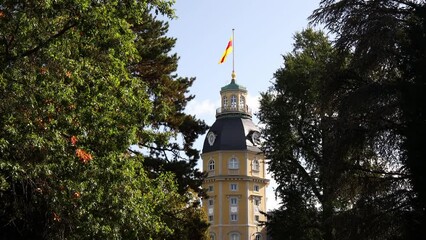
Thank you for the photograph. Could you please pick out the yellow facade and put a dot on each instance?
(250, 190)
(236, 183)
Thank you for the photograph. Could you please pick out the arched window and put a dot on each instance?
(258, 236)
(233, 163)
(233, 102)
(255, 165)
(225, 102)
(242, 102)
(211, 165)
(235, 236)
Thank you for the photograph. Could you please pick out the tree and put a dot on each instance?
(71, 103)
(291, 111)
(387, 39)
(325, 153)
(168, 94)
(295, 219)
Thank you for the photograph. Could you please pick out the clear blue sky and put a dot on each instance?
(263, 33)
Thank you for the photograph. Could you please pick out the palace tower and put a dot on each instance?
(236, 181)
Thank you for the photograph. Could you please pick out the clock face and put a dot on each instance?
(255, 137)
(210, 138)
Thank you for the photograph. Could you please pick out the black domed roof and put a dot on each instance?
(231, 133)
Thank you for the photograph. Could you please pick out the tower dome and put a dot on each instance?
(232, 133)
(233, 128)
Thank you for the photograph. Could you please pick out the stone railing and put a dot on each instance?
(233, 109)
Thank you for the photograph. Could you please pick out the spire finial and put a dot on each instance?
(233, 76)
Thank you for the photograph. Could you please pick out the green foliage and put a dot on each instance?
(347, 136)
(295, 219)
(73, 98)
(334, 161)
(169, 98)
(387, 39)
(292, 110)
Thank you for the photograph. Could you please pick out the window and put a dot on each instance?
(225, 102)
(211, 202)
(211, 218)
(235, 236)
(256, 202)
(233, 102)
(211, 165)
(256, 188)
(255, 165)
(212, 236)
(242, 102)
(234, 217)
(258, 236)
(234, 201)
(210, 188)
(256, 218)
(233, 163)
(234, 187)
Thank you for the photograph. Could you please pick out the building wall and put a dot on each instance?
(222, 181)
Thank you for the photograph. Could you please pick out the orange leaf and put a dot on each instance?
(84, 156)
(73, 140)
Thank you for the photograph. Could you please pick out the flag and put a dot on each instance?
(228, 50)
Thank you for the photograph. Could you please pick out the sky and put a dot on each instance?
(263, 32)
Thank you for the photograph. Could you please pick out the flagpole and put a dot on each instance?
(233, 55)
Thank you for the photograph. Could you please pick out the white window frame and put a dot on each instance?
(233, 163)
(234, 236)
(242, 102)
(256, 202)
(258, 236)
(255, 166)
(234, 217)
(233, 187)
(211, 165)
(225, 102)
(233, 201)
(233, 102)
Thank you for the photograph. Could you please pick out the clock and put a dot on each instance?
(255, 137)
(211, 137)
